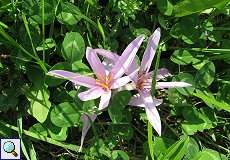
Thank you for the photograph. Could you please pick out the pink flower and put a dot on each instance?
(105, 81)
(142, 80)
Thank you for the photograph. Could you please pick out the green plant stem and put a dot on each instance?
(42, 5)
(150, 140)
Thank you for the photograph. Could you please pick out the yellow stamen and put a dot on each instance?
(106, 83)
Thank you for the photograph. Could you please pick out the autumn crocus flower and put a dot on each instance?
(105, 80)
(142, 81)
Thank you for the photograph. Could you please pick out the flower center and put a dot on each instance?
(144, 82)
(105, 83)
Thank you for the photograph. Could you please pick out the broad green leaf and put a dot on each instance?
(116, 154)
(198, 64)
(192, 150)
(73, 47)
(161, 144)
(209, 154)
(39, 129)
(80, 67)
(181, 57)
(175, 97)
(165, 7)
(53, 81)
(57, 133)
(205, 76)
(39, 103)
(197, 121)
(186, 77)
(117, 104)
(65, 16)
(177, 150)
(209, 99)
(187, 7)
(65, 114)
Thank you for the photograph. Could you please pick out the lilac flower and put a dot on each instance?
(142, 80)
(105, 81)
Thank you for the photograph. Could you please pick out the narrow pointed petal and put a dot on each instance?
(107, 54)
(161, 85)
(126, 59)
(92, 93)
(105, 98)
(154, 118)
(86, 119)
(136, 100)
(162, 73)
(120, 82)
(77, 79)
(95, 63)
(150, 50)
(111, 59)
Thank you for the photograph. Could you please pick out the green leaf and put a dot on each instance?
(57, 133)
(48, 43)
(65, 16)
(161, 144)
(165, 7)
(192, 150)
(209, 154)
(35, 12)
(181, 57)
(186, 77)
(197, 121)
(53, 81)
(73, 47)
(187, 7)
(177, 150)
(210, 100)
(185, 27)
(117, 104)
(39, 103)
(116, 154)
(205, 76)
(80, 67)
(39, 129)
(65, 114)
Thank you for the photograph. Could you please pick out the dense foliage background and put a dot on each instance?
(36, 36)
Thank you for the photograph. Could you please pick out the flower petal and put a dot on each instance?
(162, 73)
(154, 118)
(107, 54)
(104, 102)
(120, 82)
(126, 59)
(161, 85)
(133, 68)
(77, 79)
(95, 64)
(86, 119)
(150, 50)
(92, 93)
(136, 100)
